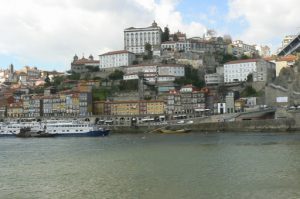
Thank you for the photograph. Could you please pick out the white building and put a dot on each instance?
(214, 79)
(238, 71)
(176, 45)
(263, 51)
(155, 72)
(287, 39)
(136, 38)
(245, 48)
(116, 59)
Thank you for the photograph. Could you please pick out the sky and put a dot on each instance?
(48, 33)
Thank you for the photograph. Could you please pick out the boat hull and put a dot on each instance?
(100, 133)
(167, 131)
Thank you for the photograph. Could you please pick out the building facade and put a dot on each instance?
(214, 79)
(238, 71)
(136, 38)
(82, 65)
(115, 59)
(247, 49)
(186, 101)
(155, 72)
(133, 108)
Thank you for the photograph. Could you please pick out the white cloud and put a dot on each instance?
(267, 19)
(52, 31)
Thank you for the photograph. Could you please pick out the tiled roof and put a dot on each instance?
(116, 52)
(85, 61)
(288, 58)
(242, 61)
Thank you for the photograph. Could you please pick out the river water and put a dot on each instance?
(231, 165)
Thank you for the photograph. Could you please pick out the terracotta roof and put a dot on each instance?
(159, 65)
(116, 52)
(242, 61)
(269, 58)
(288, 58)
(85, 61)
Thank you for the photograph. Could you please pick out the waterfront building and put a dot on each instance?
(230, 104)
(85, 104)
(130, 107)
(238, 71)
(116, 59)
(32, 105)
(3, 110)
(188, 101)
(136, 38)
(173, 101)
(15, 110)
(99, 107)
(239, 105)
(82, 65)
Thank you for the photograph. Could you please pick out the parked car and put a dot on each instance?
(180, 122)
(190, 122)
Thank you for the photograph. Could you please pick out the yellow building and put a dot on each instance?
(125, 108)
(88, 85)
(155, 107)
(143, 107)
(99, 108)
(15, 110)
(282, 62)
(239, 105)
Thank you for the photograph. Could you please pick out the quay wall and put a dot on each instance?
(272, 125)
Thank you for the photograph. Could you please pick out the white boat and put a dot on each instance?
(13, 128)
(57, 128)
(75, 129)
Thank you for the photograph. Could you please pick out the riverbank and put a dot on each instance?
(272, 125)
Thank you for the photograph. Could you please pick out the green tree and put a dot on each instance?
(250, 78)
(148, 51)
(74, 76)
(166, 34)
(47, 80)
(227, 58)
(249, 91)
(100, 94)
(175, 37)
(116, 75)
(128, 85)
(191, 77)
(93, 68)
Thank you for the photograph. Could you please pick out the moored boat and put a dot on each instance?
(75, 129)
(50, 129)
(172, 131)
(27, 132)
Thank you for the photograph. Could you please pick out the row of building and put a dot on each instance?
(53, 105)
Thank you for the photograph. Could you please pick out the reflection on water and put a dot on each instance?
(152, 166)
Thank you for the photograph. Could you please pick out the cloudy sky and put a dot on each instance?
(47, 33)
